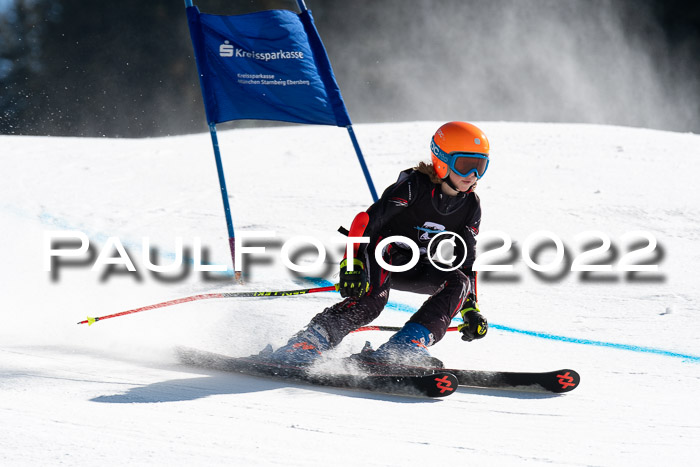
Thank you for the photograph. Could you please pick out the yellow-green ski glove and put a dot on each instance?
(475, 325)
(353, 283)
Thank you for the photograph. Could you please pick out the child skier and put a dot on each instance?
(425, 200)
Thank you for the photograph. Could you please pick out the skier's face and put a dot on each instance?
(462, 183)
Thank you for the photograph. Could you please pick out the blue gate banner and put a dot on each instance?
(269, 65)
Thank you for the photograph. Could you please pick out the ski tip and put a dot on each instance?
(566, 380)
(442, 384)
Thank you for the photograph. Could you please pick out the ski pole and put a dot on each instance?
(286, 293)
(389, 328)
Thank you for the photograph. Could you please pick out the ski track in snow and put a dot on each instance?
(112, 393)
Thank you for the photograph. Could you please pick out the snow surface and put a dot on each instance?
(114, 394)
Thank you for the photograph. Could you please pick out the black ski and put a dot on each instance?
(438, 383)
(558, 381)
(551, 381)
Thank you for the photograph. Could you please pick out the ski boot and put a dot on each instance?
(304, 348)
(408, 347)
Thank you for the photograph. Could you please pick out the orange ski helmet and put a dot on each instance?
(459, 140)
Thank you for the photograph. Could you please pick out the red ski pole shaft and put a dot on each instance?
(192, 298)
(390, 328)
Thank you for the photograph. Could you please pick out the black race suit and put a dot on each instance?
(416, 208)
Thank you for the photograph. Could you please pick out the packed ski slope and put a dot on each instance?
(114, 394)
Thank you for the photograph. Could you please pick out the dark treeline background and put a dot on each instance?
(92, 68)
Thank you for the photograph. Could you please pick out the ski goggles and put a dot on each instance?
(462, 163)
